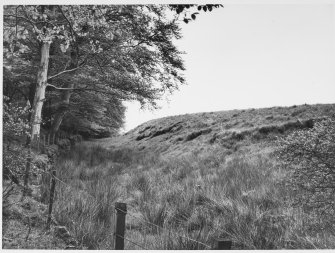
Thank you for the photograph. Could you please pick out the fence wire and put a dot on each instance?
(145, 221)
(138, 245)
(56, 178)
(164, 229)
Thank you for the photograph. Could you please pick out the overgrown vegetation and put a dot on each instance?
(248, 196)
(204, 196)
(310, 158)
(76, 65)
(15, 128)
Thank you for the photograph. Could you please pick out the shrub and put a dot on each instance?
(15, 127)
(15, 123)
(310, 156)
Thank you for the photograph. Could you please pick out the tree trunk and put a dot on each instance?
(64, 106)
(36, 114)
(31, 93)
(39, 98)
(62, 109)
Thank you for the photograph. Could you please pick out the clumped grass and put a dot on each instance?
(86, 204)
(203, 196)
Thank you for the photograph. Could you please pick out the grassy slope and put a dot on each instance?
(231, 130)
(192, 181)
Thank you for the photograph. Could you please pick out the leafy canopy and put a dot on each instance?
(125, 52)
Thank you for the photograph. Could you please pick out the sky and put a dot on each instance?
(253, 55)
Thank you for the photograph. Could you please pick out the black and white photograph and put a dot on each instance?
(169, 125)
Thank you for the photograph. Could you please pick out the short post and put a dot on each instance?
(27, 172)
(121, 211)
(38, 144)
(43, 140)
(32, 144)
(223, 244)
(51, 200)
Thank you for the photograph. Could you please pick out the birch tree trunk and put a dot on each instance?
(36, 115)
(42, 77)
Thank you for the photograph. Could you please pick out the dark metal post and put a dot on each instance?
(121, 211)
(51, 200)
(223, 244)
(27, 172)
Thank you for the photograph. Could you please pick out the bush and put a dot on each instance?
(15, 128)
(310, 156)
(15, 121)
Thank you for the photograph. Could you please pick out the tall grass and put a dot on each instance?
(202, 196)
(86, 205)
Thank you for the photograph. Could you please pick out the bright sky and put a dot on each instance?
(252, 56)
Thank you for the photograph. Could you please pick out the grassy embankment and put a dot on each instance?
(203, 196)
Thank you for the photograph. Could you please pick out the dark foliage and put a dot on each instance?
(310, 156)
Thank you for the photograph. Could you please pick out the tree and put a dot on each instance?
(38, 25)
(186, 9)
(93, 115)
(127, 50)
(112, 53)
(131, 64)
(310, 156)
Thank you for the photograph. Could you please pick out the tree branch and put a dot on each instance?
(116, 92)
(70, 70)
(68, 21)
(100, 66)
(26, 19)
(63, 72)
(60, 88)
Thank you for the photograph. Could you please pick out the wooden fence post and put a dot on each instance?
(32, 142)
(38, 144)
(121, 211)
(27, 172)
(223, 244)
(51, 199)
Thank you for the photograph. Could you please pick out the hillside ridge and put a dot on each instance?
(233, 129)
